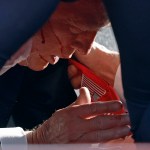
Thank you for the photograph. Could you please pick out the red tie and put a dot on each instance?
(100, 90)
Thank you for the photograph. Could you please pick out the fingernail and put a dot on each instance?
(117, 105)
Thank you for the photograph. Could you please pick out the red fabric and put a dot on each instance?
(100, 89)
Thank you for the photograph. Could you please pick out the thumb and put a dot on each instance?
(84, 97)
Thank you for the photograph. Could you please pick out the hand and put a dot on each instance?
(82, 123)
(101, 61)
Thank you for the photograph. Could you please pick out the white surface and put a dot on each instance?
(12, 136)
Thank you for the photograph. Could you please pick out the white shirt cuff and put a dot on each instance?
(13, 139)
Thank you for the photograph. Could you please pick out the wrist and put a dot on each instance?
(32, 137)
(37, 136)
(29, 136)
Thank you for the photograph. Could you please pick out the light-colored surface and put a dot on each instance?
(105, 36)
(14, 136)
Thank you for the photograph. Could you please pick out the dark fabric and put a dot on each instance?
(42, 93)
(131, 24)
(35, 96)
(9, 88)
(69, 0)
(19, 20)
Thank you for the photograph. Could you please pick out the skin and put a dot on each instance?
(72, 28)
(107, 68)
(81, 122)
(101, 67)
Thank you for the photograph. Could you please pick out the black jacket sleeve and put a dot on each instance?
(19, 20)
(131, 24)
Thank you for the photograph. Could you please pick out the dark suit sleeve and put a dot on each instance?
(19, 20)
(41, 94)
(131, 24)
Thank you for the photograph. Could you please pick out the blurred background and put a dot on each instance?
(105, 37)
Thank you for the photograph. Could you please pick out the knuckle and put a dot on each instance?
(109, 107)
(106, 107)
(93, 108)
(71, 111)
(62, 116)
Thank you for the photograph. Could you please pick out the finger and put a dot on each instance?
(105, 135)
(76, 81)
(96, 108)
(75, 76)
(72, 71)
(84, 97)
(105, 122)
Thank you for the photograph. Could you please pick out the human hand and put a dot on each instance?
(82, 122)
